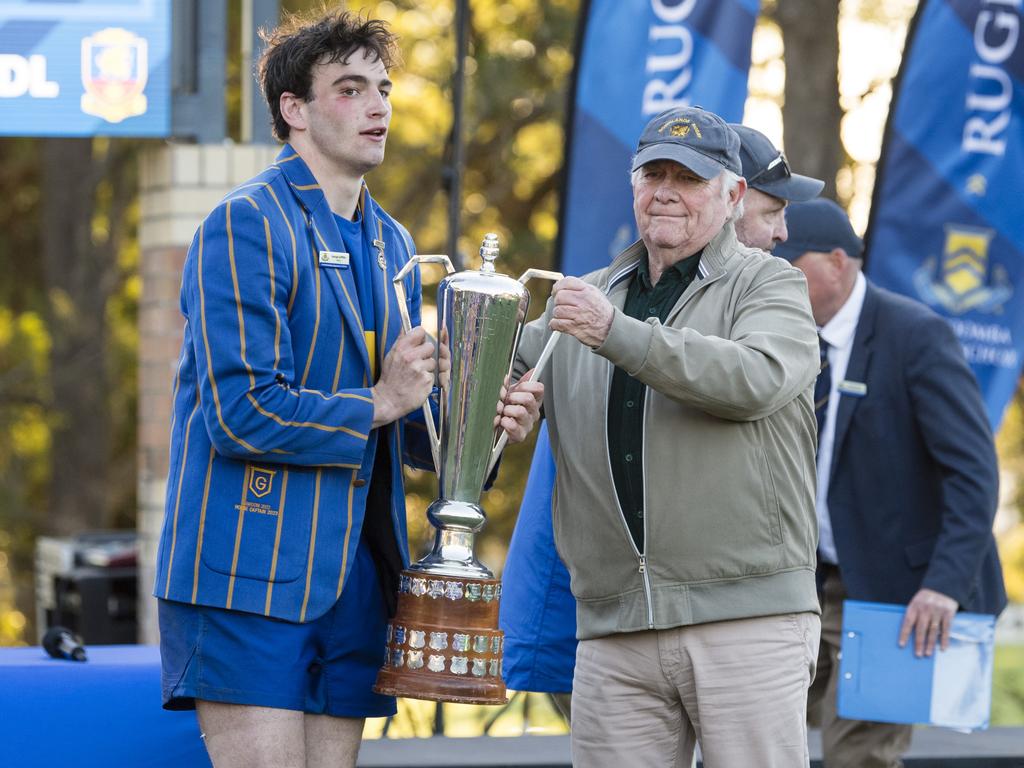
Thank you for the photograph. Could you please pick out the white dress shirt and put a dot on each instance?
(839, 333)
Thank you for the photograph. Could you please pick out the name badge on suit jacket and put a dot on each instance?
(335, 259)
(852, 388)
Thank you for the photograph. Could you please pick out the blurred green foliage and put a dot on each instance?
(526, 713)
(24, 366)
(1008, 686)
(67, 323)
(1010, 535)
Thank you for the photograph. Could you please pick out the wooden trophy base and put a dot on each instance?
(444, 643)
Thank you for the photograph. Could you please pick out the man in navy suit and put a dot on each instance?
(907, 472)
(296, 404)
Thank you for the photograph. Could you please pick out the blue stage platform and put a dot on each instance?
(106, 712)
(93, 714)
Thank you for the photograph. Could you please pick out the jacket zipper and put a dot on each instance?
(706, 279)
(641, 556)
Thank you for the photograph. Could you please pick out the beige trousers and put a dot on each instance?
(847, 743)
(739, 688)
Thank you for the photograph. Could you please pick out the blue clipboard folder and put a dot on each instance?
(882, 682)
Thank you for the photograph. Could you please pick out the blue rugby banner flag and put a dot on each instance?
(946, 225)
(636, 58)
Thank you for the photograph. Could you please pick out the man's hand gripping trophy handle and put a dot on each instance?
(542, 361)
(403, 311)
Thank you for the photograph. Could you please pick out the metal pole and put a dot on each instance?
(247, 84)
(255, 14)
(457, 155)
(198, 110)
(453, 175)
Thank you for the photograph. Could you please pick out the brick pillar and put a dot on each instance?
(179, 185)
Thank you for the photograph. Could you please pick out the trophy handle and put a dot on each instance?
(542, 361)
(403, 311)
(543, 274)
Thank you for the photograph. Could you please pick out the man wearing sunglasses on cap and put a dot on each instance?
(770, 187)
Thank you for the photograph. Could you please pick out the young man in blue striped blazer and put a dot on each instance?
(295, 407)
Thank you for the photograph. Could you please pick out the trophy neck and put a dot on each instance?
(452, 554)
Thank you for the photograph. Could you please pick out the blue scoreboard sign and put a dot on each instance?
(85, 68)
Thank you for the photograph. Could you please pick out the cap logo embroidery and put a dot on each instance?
(680, 128)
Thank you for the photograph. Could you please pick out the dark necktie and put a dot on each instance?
(822, 388)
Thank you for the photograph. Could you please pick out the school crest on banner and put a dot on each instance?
(961, 279)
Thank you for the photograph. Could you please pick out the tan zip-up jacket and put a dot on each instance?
(729, 442)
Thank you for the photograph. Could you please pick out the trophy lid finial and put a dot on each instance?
(489, 252)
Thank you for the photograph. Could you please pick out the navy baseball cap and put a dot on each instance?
(766, 169)
(693, 137)
(818, 225)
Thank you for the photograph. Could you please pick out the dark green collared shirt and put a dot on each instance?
(626, 398)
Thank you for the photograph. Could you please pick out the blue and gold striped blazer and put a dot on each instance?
(271, 444)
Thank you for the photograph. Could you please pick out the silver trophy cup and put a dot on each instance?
(449, 596)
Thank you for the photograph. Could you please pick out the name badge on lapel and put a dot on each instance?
(381, 261)
(852, 388)
(335, 259)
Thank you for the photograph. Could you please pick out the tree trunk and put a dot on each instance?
(811, 115)
(79, 283)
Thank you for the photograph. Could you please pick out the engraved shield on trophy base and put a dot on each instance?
(444, 644)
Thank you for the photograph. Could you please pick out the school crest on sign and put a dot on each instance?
(114, 74)
(261, 481)
(961, 279)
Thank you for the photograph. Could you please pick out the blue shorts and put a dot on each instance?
(325, 666)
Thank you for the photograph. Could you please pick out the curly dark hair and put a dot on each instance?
(301, 42)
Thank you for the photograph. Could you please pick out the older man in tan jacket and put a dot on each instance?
(682, 425)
